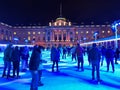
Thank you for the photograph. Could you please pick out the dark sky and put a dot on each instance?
(28, 12)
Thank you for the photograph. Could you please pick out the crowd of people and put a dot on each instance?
(96, 56)
(12, 58)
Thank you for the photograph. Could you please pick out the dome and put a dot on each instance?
(60, 18)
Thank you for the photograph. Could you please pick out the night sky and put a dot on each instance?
(41, 12)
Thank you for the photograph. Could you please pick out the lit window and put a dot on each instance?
(28, 37)
(10, 38)
(87, 31)
(6, 38)
(108, 31)
(38, 32)
(103, 31)
(50, 24)
(64, 23)
(33, 32)
(76, 32)
(92, 32)
(69, 23)
(60, 24)
(28, 32)
(2, 37)
(33, 37)
(55, 24)
(14, 33)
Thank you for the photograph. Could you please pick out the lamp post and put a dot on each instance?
(15, 40)
(116, 43)
(115, 30)
(95, 35)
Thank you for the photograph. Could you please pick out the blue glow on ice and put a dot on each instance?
(67, 79)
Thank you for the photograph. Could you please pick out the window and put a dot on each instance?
(14, 33)
(34, 38)
(108, 31)
(69, 23)
(64, 38)
(76, 32)
(48, 33)
(103, 31)
(60, 23)
(81, 31)
(29, 38)
(38, 32)
(60, 38)
(29, 33)
(2, 31)
(50, 24)
(55, 24)
(6, 32)
(6, 38)
(71, 33)
(33, 32)
(48, 38)
(71, 39)
(43, 38)
(87, 32)
(55, 38)
(64, 23)
(10, 38)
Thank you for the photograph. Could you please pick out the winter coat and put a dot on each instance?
(34, 59)
(8, 53)
(55, 54)
(16, 54)
(79, 51)
(110, 53)
(25, 54)
(95, 55)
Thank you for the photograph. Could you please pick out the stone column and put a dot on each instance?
(53, 36)
(62, 36)
(57, 37)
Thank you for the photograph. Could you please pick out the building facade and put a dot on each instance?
(58, 32)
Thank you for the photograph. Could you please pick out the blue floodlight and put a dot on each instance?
(114, 25)
(114, 29)
(95, 33)
(15, 39)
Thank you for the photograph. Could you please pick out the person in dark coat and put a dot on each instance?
(64, 52)
(79, 52)
(73, 53)
(88, 54)
(34, 67)
(24, 57)
(103, 52)
(7, 60)
(95, 60)
(55, 57)
(16, 61)
(117, 52)
(110, 58)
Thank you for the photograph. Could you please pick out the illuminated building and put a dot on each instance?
(59, 32)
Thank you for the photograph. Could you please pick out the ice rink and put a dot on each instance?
(67, 79)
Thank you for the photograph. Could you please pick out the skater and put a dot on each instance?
(7, 60)
(55, 57)
(95, 60)
(34, 66)
(79, 52)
